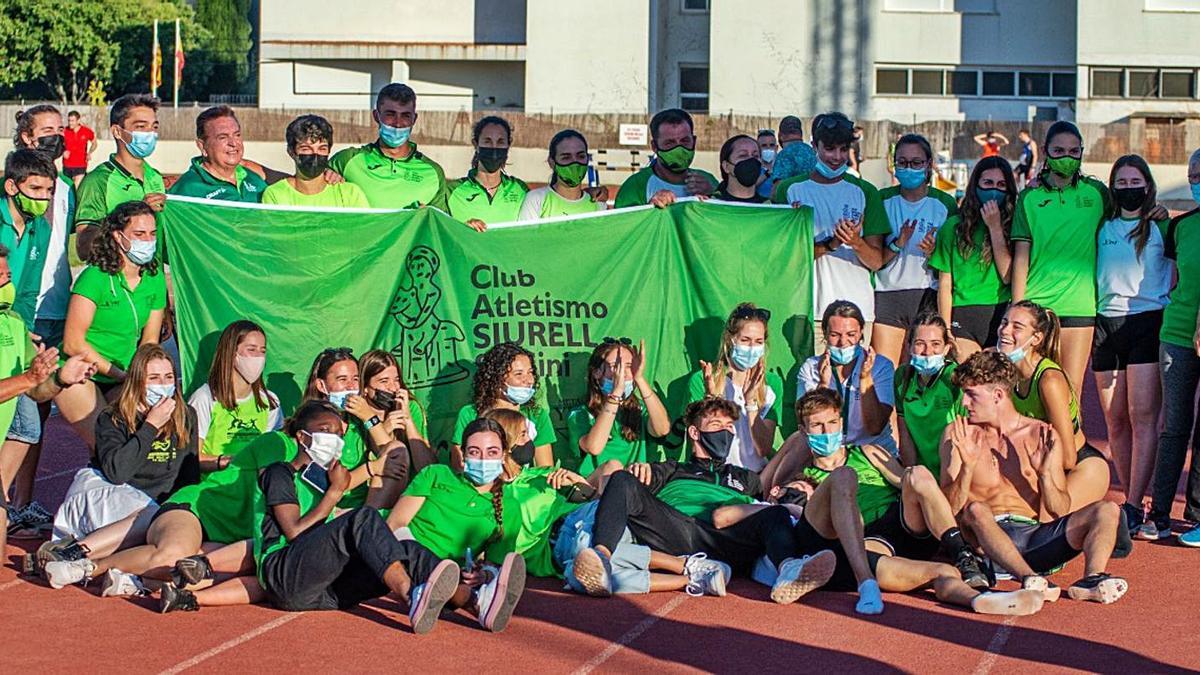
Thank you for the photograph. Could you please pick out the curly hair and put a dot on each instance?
(987, 367)
(106, 253)
(491, 369)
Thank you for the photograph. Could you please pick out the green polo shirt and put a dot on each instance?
(198, 182)
(121, 313)
(927, 409)
(16, 351)
(1183, 246)
(26, 257)
(973, 282)
(455, 515)
(108, 186)
(468, 199)
(393, 183)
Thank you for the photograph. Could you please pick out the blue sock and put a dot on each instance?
(870, 600)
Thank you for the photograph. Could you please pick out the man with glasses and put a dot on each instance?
(849, 223)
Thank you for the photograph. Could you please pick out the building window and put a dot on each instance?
(695, 6)
(928, 83)
(1033, 84)
(1143, 83)
(1177, 84)
(1063, 85)
(891, 81)
(1107, 83)
(997, 83)
(693, 88)
(963, 82)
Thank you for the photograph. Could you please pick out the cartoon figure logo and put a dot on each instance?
(428, 347)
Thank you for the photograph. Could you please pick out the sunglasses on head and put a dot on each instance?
(831, 122)
(616, 341)
(759, 313)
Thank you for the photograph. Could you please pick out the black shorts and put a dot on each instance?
(1022, 170)
(810, 542)
(1088, 451)
(1043, 545)
(72, 171)
(901, 308)
(1122, 341)
(979, 323)
(173, 506)
(891, 530)
(1077, 321)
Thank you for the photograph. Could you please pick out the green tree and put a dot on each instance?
(227, 21)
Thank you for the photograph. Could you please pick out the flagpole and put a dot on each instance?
(177, 70)
(153, 54)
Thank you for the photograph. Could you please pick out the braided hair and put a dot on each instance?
(487, 425)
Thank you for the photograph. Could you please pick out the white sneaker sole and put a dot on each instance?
(59, 580)
(1013, 603)
(1106, 592)
(716, 584)
(591, 574)
(439, 588)
(817, 572)
(508, 593)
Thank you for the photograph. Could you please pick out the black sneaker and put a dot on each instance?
(969, 567)
(1134, 516)
(1123, 545)
(1101, 588)
(174, 599)
(191, 570)
(61, 550)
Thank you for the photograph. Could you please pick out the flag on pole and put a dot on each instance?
(155, 64)
(178, 62)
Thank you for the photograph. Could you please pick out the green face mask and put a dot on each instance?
(678, 158)
(8, 294)
(1065, 166)
(571, 174)
(30, 206)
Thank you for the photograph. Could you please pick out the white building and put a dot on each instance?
(905, 60)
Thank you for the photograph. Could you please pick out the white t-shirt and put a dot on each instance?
(743, 453)
(883, 373)
(655, 184)
(838, 275)
(535, 202)
(908, 270)
(55, 286)
(202, 402)
(1126, 283)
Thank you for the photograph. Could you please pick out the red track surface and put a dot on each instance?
(1152, 629)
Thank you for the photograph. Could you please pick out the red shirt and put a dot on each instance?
(77, 146)
(992, 149)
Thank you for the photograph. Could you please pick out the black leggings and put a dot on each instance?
(341, 563)
(626, 502)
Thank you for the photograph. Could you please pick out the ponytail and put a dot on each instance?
(1046, 322)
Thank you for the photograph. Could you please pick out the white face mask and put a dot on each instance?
(324, 448)
(250, 367)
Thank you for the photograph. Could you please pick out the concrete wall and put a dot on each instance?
(374, 21)
(607, 72)
(682, 38)
(760, 57)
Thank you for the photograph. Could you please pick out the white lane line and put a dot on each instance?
(992, 653)
(65, 472)
(230, 644)
(633, 634)
(6, 586)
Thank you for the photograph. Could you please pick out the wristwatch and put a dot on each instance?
(894, 247)
(369, 424)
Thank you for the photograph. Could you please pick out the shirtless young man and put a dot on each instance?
(1004, 471)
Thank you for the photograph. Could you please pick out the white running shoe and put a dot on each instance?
(798, 576)
(706, 577)
(118, 584)
(62, 573)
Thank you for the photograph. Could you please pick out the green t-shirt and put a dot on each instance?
(531, 508)
(26, 258)
(927, 410)
(393, 183)
(354, 453)
(633, 190)
(468, 199)
(1182, 244)
(121, 313)
(16, 351)
(580, 421)
(1061, 227)
(108, 186)
(455, 516)
(541, 432)
(875, 494)
(268, 536)
(198, 182)
(1031, 404)
(698, 498)
(338, 195)
(972, 281)
(231, 430)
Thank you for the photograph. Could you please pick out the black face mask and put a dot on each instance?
(52, 146)
(717, 443)
(793, 496)
(747, 171)
(491, 159)
(523, 453)
(309, 167)
(383, 400)
(1130, 199)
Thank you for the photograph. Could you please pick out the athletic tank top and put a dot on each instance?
(875, 494)
(231, 430)
(1031, 404)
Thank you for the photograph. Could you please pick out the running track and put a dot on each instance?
(1151, 630)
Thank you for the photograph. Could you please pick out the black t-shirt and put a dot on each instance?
(726, 197)
(278, 485)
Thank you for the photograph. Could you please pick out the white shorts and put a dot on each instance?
(92, 502)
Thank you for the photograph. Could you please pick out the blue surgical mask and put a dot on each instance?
(911, 179)
(824, 445)
(928, 364)
(830, 173)
(157, 392)
(141, 251)
(518, 395)
(394, 137)
(606, 387)
(141, 143)
(481, 471)
(986, 195)
(745, 357)
(1019, 353)
(1196, 192)
(767, 154)
(843, 355)
(338, 398)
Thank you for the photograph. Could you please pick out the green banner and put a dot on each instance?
(437, 294)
